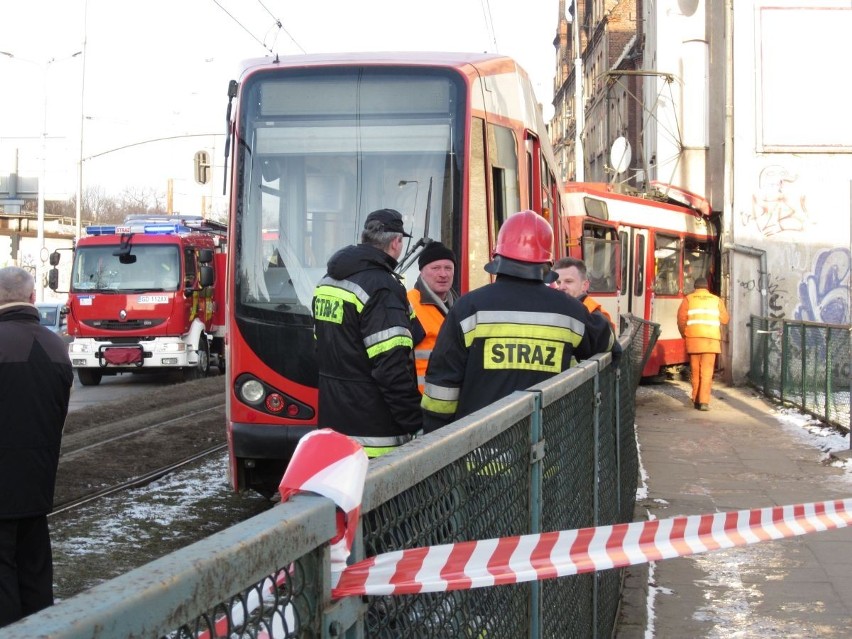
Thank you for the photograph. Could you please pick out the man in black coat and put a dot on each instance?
(363, 327)
(35, 386)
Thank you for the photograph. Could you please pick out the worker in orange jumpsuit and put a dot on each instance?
(432, 298)
(699, 320)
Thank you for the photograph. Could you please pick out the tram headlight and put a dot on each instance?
(252, 391)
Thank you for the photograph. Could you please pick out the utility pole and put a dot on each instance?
(579, 108)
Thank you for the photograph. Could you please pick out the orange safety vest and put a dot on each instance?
(593, 305)
(431, 317)
(699, 319)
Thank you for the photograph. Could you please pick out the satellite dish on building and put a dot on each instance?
(620, 155)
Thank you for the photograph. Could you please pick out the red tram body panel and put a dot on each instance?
(455, 142)
(642, 256)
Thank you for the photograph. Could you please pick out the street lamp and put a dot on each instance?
(40, 257)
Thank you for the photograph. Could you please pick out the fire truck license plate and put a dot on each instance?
(152, 299)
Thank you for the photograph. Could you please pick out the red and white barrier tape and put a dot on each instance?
(334, 466)
(493, 562)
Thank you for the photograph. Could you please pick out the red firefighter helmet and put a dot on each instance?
(524, 248)
(526, 237)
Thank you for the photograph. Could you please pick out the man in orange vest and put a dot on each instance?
(431, 298)
(699, 319)
(574, 280)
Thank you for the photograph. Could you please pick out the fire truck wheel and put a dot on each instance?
(88, 377)
(202, 368)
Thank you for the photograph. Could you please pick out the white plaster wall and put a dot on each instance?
(792, 168)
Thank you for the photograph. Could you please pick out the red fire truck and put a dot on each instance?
(147, 296)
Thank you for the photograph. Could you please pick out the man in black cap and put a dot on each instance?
(432, 297)
(363, 329)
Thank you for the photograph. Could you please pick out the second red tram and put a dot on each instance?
(455, 142)
(642, 256)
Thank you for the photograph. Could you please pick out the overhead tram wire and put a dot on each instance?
(281, 26)
(262, 43)
(242, 26)
(489, 23)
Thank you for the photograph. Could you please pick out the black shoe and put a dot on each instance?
(704, 407)
(696, 405)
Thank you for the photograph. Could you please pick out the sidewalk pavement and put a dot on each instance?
(736, 456)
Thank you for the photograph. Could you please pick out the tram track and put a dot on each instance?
(139, 478)
(136, 482)
(123, 443)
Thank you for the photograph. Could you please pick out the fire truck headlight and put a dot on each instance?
(77, 347)
(174, 347)
(252, 391)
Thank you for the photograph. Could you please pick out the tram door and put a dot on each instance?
(634, 270)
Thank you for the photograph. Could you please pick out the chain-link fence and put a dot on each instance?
(804, 364)
(559, 456)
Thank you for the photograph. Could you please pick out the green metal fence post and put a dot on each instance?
(537, 451)
(596, 492)
(766, 360)
(804, 364)
(617, 391)
(784, 363)
(827, 369)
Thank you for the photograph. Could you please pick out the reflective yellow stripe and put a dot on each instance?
(329, 301)
(547, 326)
(374, 451)
(390, 344)
(438, 406)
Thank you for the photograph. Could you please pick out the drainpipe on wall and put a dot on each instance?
(728, 175)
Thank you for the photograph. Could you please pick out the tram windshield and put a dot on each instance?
(318, 150)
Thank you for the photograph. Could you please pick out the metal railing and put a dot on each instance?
(559, 456)
(804, 364)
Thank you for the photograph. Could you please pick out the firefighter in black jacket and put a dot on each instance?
(363, 327)
(511, 334)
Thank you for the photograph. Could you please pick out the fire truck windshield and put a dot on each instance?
(322, 148)
(96, 268)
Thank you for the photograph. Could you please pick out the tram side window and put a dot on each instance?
(599, 249)
(639, 277)
(503, 158)
(667, 263)
(479, 251)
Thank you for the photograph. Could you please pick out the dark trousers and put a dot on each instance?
(26, 568)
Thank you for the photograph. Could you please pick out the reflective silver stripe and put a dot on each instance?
(708, 322)
(421, 380)
(381, 336)
(445, 393)
(713, 312)
(422, 354)
(523, 317)
(379, 442)
(346, 285)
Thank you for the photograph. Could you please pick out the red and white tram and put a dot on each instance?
(642, 257)
(455, 142)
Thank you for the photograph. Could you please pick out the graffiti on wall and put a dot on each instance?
(775, 293)
(777, 207)
(824, 294)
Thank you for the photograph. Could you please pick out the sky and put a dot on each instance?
(160, 69)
